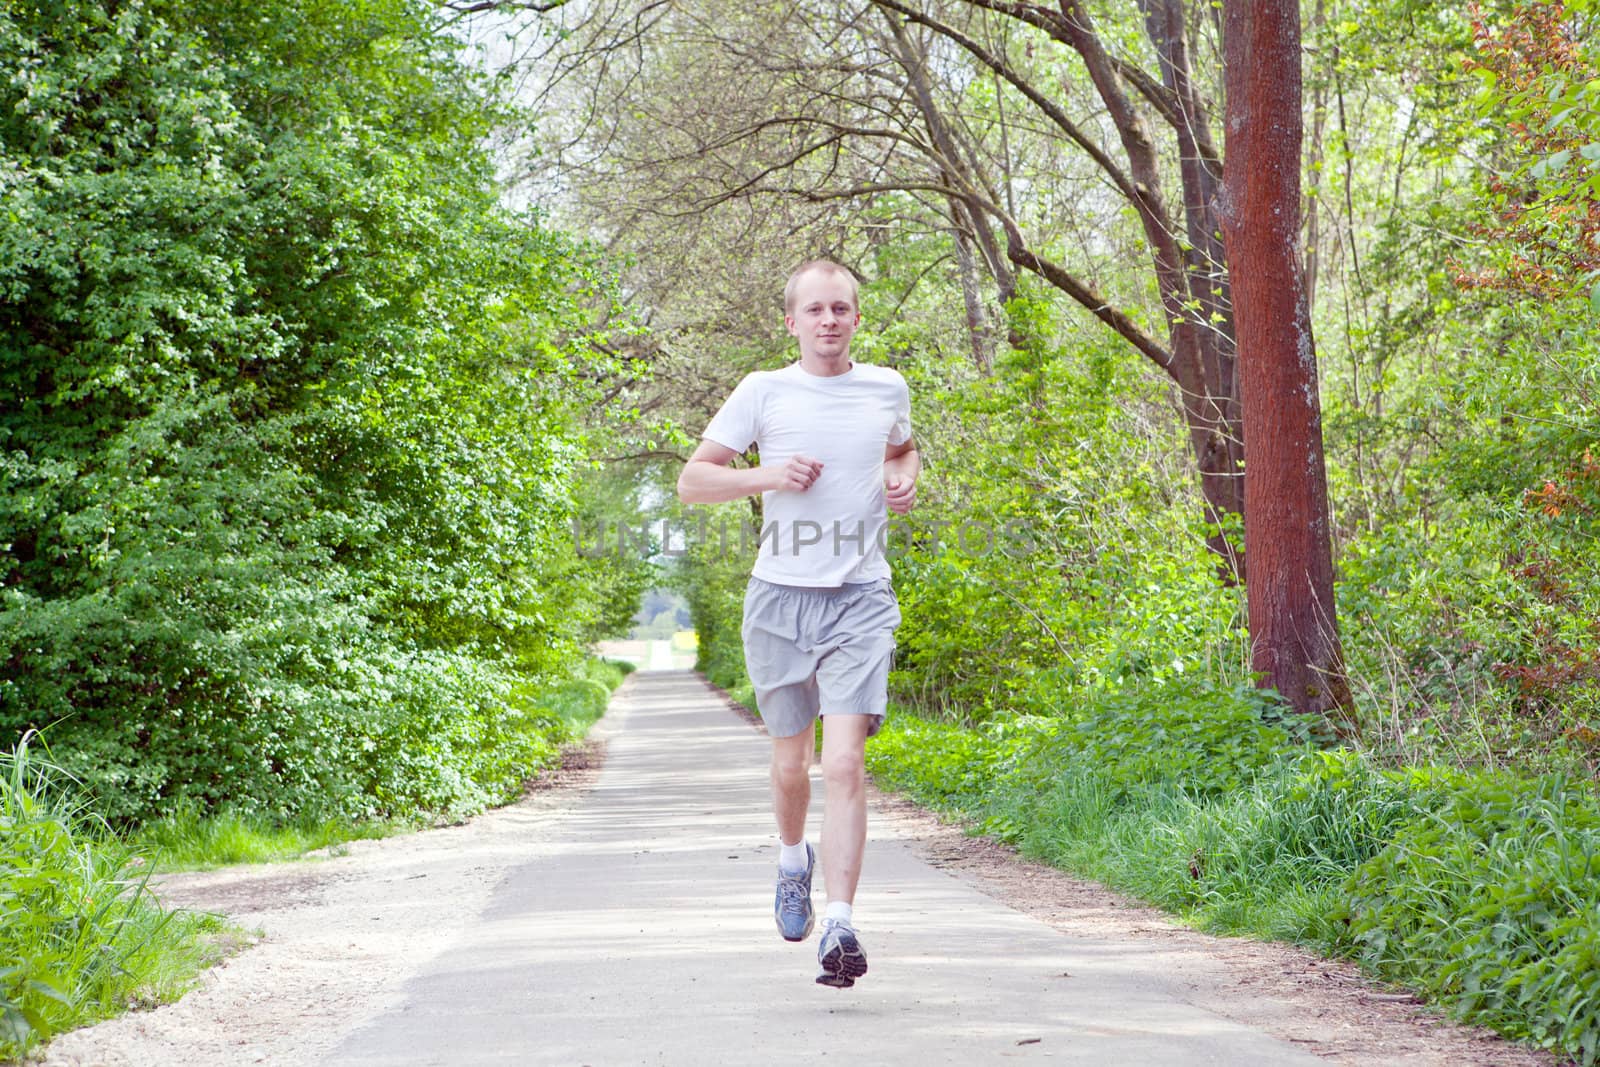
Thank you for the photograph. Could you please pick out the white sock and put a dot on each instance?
(838, 912)
(792, 858)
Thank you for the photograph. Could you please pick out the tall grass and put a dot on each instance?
(81, 937)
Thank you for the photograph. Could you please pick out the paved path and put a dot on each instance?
(660, 656)
(639, 931)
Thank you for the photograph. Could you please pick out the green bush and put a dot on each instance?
(527, 737)
(1209, 742)
(940, 764)
(570, 707)
(1473, 637)
(713, 582)
(291, 421)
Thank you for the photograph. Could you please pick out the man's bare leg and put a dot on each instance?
(844, 822)
(844, 839)
(791, 782)
(791, 796)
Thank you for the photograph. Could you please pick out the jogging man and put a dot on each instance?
(834, 438)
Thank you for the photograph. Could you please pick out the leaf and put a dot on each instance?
(1551, 164)
(1594, 298)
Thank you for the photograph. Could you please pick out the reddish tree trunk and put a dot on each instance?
(1294, 632)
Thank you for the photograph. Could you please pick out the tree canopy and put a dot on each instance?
(292, 409)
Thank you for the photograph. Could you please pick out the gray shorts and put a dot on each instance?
(819, 651)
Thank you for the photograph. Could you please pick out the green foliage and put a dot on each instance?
(713, 582)
(80, 935)
(287, 478)
(189, 838)
(1447, 392)
(1047, 567)
(1540, 76)
(615, 580)
(1209, 743)
(1212, 742)
(1479, 889)
(579, 701)
(943, 765)
(1491, 902)
(1475, 626)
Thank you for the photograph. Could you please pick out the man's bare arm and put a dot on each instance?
(902, 465)
(707, 478)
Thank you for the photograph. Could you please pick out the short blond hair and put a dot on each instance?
(827, 266)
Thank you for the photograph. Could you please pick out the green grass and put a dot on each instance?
(1271, 859)
(81, 937)
(189, 841)
(579, 702)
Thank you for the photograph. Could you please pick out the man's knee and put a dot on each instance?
(844, 767)
(791, 758)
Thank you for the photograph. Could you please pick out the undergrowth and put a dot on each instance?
(1480, 889)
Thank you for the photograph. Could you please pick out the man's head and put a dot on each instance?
(818, 266)
(821, 309)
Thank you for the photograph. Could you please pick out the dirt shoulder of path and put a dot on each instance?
(333, 936)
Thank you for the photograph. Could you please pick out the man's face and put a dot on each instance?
(824, 316)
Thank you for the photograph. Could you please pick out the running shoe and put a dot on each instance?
(792, 906)
(840, 954)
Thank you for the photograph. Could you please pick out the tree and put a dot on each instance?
(290, 412)
(1294, 630)
(958, 119)
(1186, 257)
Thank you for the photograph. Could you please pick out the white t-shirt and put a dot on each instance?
(834, 532)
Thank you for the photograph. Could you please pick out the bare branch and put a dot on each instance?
(1096, 304)
(1042, 17)
(1047, 106)
(461, 8)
